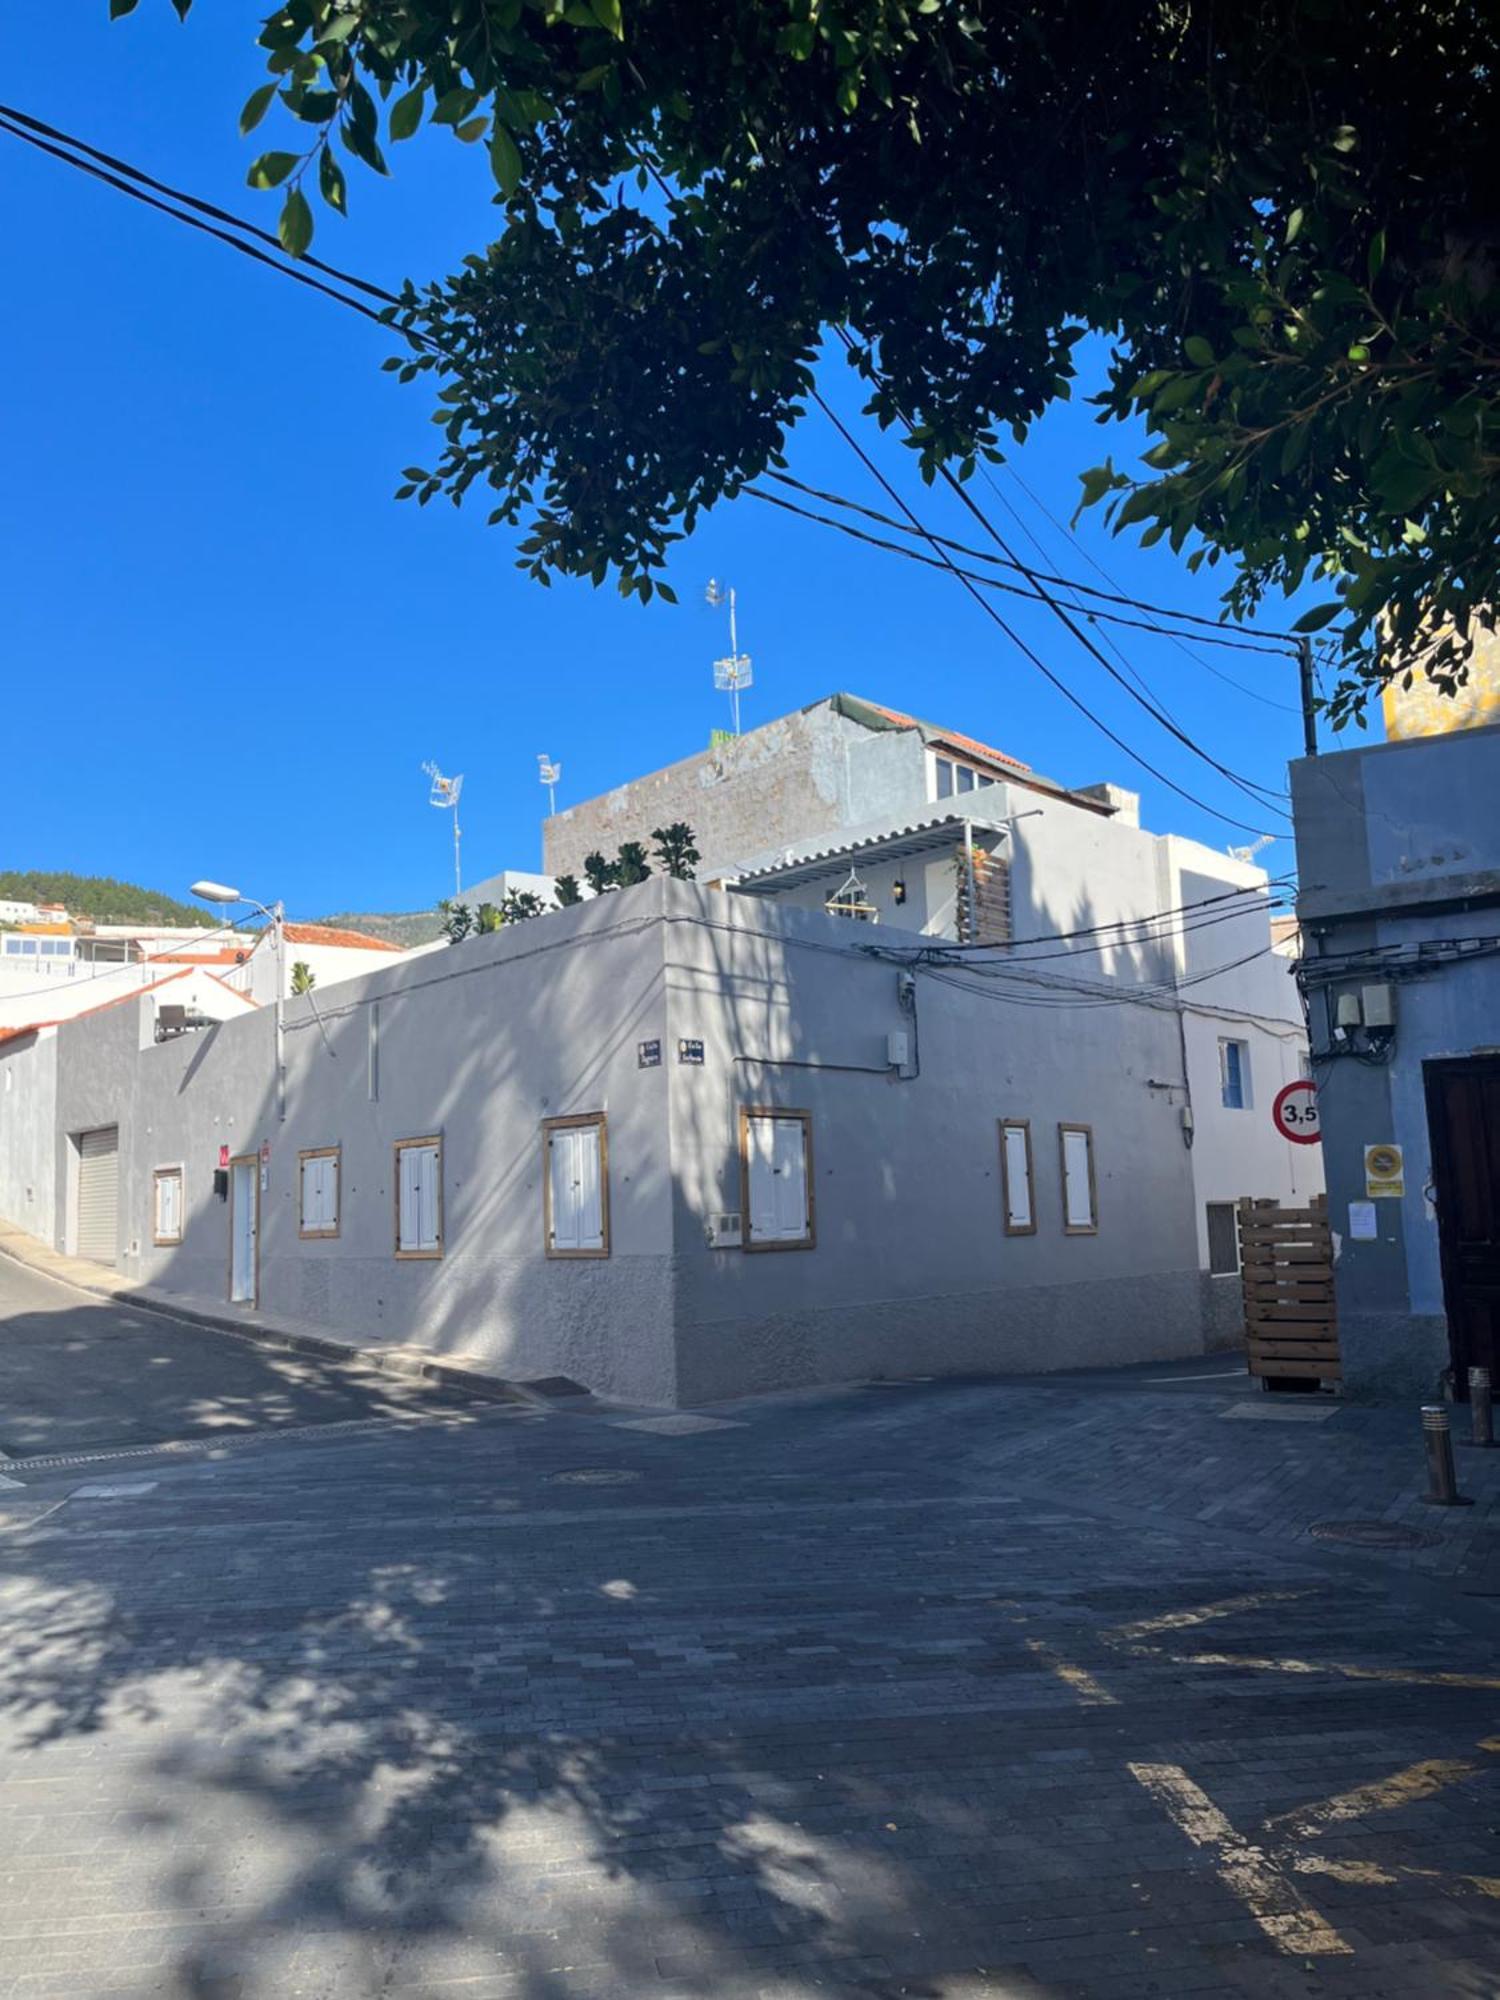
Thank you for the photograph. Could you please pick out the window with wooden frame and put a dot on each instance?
(1017, 1187)
(776, 1183)
(1080, 1203)
(166, 1206)
(318, 1191)
(575, 1186)
(419, 1197)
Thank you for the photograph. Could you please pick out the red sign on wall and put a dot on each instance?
(223, 1156)
(1295, 1112)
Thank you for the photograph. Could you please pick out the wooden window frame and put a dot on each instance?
(334, 1153)
(1017, 1228)
(804, 1118)
(573, 1123)
(419, 1256)
(159, 1174)
(1078, 1228)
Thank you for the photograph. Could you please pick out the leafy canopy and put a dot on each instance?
(1277, 214)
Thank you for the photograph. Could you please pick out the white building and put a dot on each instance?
(994, 1059)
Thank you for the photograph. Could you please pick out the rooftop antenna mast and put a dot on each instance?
(444, 795)
(733, 673)
(551, 776)
(1249, 853)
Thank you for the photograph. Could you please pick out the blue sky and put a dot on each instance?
(229, 649)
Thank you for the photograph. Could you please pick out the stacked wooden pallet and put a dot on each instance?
(1286, 1273)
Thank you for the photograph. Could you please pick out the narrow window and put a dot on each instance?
(1234, 1075)
(419, 1198)
(166, 1215)
(943, 773)
(776, 1178)
(965, 778)
(1080, 1210)
(1015, 1177)
(318, 1176)
(575, 1186)
(1223, 1240)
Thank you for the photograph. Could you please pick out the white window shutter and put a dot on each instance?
(566, 1217)
(590, 1188)
(760, 1148)
(427, 1170)
(1078, 1197)
(1017, 1178)
(791, 1180)
(410, 1199)
(776, 1156)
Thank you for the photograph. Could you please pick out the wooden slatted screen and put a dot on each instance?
(985, 919)
(1286, 1274)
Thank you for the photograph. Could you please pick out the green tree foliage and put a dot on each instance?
(100, 897)
(458, 920)
(487, 918)
(1275, 215)
(521, 905)
(568, 891)
(631, 865)
(675, 850)
(304, 979)
(599, 873)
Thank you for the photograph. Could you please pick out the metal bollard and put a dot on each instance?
(1481, 1409)
(1444, 1486)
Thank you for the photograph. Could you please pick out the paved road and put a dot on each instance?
(78, 1374)
(849, 1695)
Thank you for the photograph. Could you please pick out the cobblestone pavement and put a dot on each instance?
(78, 1374)
(940, 1690)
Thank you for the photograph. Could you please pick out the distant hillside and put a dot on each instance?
(98, 896)
(406, 929)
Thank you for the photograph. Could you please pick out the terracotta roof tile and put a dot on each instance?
(327, 934)
(968, 746)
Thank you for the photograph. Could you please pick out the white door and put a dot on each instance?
(99, 1193)
(244, 1222)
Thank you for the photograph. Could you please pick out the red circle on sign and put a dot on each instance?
(1295, 1112)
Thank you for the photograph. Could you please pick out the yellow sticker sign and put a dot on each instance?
(1385, 1172)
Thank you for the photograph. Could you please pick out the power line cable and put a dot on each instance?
(1277, 643)
(1089, 611)
(1018, 642)
(192, 201)
(1063, 529)
(956, 486)
(1188, 910)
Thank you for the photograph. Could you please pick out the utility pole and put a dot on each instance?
(1309, 697)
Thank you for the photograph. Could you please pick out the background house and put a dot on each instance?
(1399, 852)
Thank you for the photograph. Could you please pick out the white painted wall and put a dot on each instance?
(28, 1106)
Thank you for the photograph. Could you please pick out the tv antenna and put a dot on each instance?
(1249, 853)
(732, 673)
(550, 775)
(444, 795)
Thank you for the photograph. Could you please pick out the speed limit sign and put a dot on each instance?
(1295, 1112)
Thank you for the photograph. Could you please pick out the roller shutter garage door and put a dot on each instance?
(99, 1193)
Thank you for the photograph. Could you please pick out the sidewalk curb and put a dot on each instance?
(387, 1361)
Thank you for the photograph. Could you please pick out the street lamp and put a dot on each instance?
(275, 915)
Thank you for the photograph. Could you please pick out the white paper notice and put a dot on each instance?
(1362, 1222)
